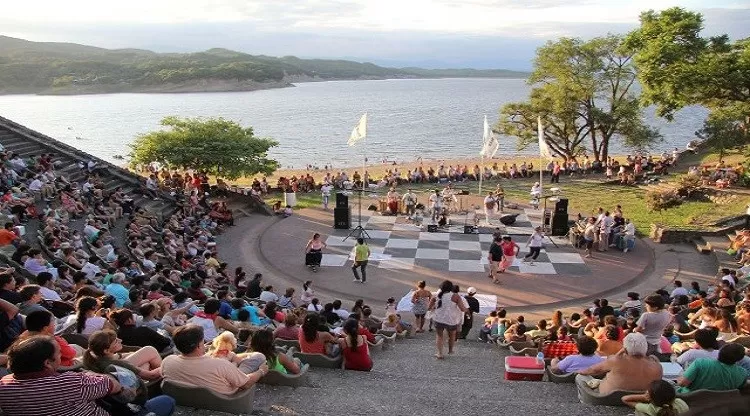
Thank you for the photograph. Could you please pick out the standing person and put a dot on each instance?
(589, 234)
(448, 308)
(361, 255)
(535, 245)
(420, 301)
(470, 311)
(314, 252)
(436, 205)
(325, 191)
(410, 202)
(555, 173)
(605, 228)
(500, 198)
(494, 257)
(510, 251)
(489, 207)
(653, 322)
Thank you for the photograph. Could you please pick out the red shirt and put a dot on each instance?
(509, 248)
(366, 332)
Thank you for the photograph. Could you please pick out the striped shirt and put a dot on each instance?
(66, 394)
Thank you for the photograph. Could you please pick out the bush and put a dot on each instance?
(662, 199)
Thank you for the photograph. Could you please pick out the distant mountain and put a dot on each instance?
(69, 68)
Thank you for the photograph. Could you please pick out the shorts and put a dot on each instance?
(589, 243)
(449, 328)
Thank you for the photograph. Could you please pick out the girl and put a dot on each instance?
(535, 245)
(307, 293)
(659, 400)
(262, 342)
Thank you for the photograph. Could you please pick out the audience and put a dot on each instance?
(585, 358)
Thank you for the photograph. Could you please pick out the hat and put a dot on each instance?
(471, 290)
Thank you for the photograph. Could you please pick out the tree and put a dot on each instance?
(677, 68)
(219, 147)
(582, 91)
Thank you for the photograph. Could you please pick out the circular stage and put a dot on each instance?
(403, 254)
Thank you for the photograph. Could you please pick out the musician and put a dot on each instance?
(392, 198)
(410, 202)
(449, 197)
(489, 207)
(500, 198)
(436, 205)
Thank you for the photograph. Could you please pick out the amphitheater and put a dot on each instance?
(406, 379)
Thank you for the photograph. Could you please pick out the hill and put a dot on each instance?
(69, 68)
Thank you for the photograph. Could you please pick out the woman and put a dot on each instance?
(262, 342)
(420, 301)
(312, 341)
(510, 250)
(307, 293)
(104, 350)
(290, 329)
(359, 305)
(448, 309)
(273, 312)
(535, 245)
(88, 318)
(314, 252)
(354, 348)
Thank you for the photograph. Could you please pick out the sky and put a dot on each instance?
(428, 33)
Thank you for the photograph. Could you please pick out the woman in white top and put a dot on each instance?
(307, 293)
(86, 319)
(535, 245)
(448, 311)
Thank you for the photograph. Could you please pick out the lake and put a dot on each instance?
(431, 118)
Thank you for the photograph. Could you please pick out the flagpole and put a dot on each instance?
(481, 175)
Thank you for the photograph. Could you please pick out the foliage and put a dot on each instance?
(677, 67)
(33, 66)
(661, 199)
(219, 147)
(689, 185)
(582, 91)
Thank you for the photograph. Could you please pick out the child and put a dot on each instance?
(223, 346)
(392, 323)
(659, 400)
(390, 307)
(490, 325)
(562, 334)
(77, 240)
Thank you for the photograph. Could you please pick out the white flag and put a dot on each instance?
(490, 143)
(544, 150)
(359, 132)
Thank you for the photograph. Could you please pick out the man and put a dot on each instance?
(628, 235)
(118, 290)
(500, 198)
(436, 205)
(361, 255)
(194, 368)
(35, 388)
(539, 332)
(8, 288)
(707, 347)
(410, 202)
(31, 299)
(489, 207)
(341, 312)
(46, 286)
(585, 358)
(494, 257)
(7, 236)
(325, 192)
(720, 374)
(605, 228)
(392, 199)
(678, 290)
(470, 311)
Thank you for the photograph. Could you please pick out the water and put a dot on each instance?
(434, 119)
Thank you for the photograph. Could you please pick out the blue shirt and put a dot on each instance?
(120, 293)
(254, 318)
(225, 309)
(577, 362)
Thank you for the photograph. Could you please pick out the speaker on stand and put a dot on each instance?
(342, 200)
(561, 206)
(342, 217)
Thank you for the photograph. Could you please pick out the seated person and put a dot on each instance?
(313, 341)
(516, 334)
(370, 322)
(720, 374)
(331, 317)
(354, 347)
(43, 323)
(540, 331)
(290, 329)
(194, 368)
(137, 336)
(629, 369)
(103, 351)
(659, 399)
(210, 321)
(262, 342)
(610, 345)
(585, 358)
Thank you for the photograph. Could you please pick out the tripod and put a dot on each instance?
(358, 231)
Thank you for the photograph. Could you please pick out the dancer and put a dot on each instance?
(510, 251)
(448, 310)
(314, 252)
(535, 245)
(489, 207)
(494, 257)
(361, 254)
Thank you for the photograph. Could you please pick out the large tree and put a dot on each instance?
(583, 92)
(677, 67)
(217, 146)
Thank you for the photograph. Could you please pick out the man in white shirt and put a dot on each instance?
(605, 227)
(325, 191)
(436, 205)
(678, 289)
(628, 233)
(338, 310)
(267, 295)
(46, 286)
(489, 207)
(410, 202)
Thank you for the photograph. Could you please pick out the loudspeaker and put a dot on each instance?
(342, 218)
(561, 206)
(559, 224)
(342, 200)
(432, 228)
(468, 229)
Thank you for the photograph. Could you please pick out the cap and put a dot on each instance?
(471, 290)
